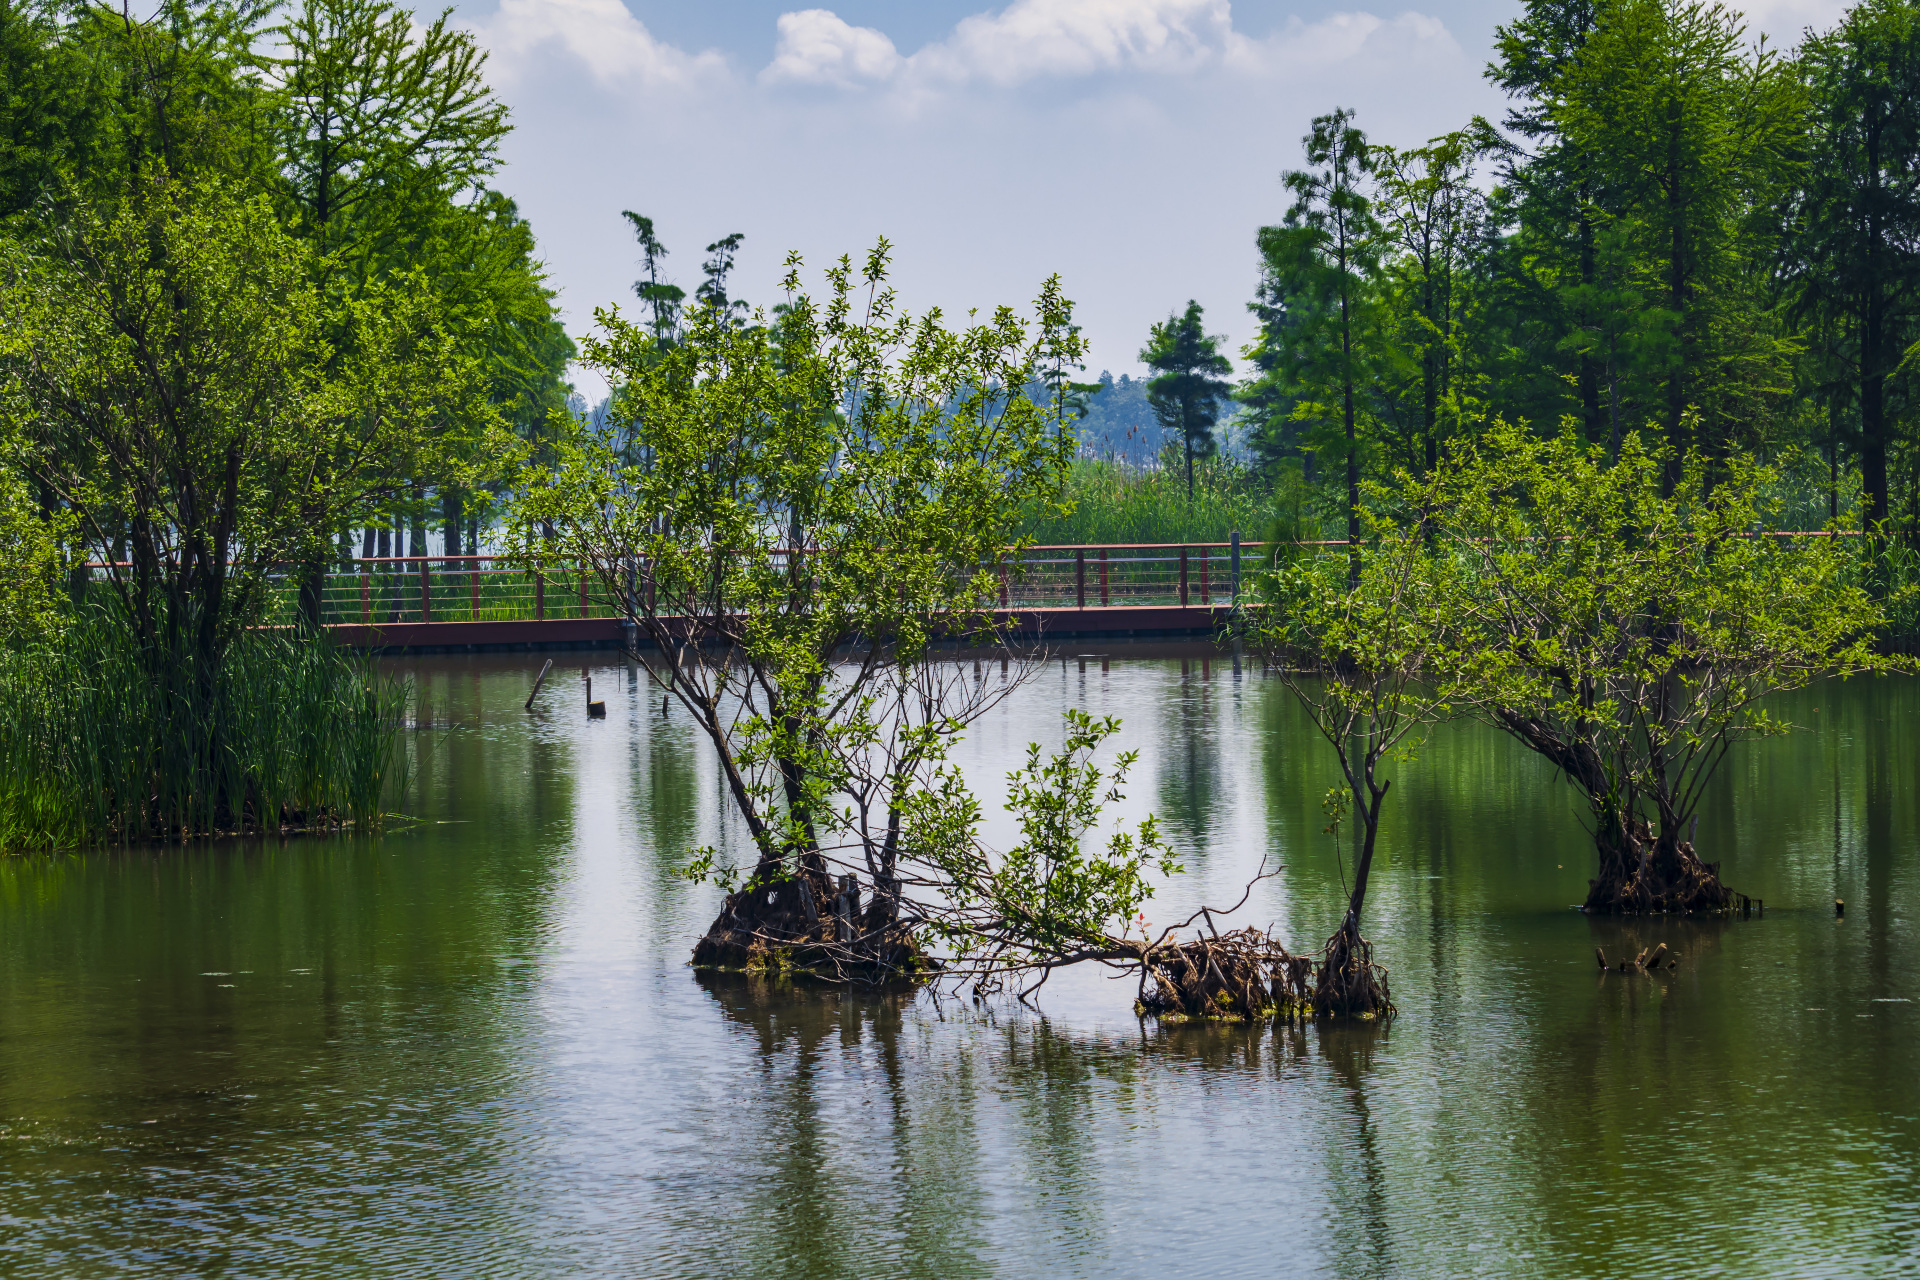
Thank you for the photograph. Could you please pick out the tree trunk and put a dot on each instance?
(418, 523)
(1589, 367)
(1643, 872)
(450, 517)
(1350, 983)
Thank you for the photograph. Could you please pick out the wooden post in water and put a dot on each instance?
(538, 681)
(843, 909)
(1080, 578)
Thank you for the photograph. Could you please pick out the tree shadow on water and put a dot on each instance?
(862, 1163)
(1363, 1239)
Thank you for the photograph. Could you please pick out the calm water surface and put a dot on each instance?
(472, 1046)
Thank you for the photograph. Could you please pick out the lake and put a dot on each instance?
(472, 1046)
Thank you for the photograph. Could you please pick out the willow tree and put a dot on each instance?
(1632, 634)
(828, 495)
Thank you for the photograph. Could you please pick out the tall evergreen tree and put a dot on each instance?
(1852, 251)
(1325, 259)
(1190, 382)
(1695, 134)
(662, 298)
(368, 109)
(1560, 203)
(715, 270)
(1432, 217)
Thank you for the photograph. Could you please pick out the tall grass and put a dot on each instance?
(1113, 502)
(98, 748)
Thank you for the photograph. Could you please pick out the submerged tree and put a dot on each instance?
(1631, 634)
(828, 497)
(1361, 655)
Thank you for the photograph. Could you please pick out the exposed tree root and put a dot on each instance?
(807, 926)
(1643, 874)
(1350, 983)
(1248, 976)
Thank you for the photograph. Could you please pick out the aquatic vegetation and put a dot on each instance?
(99, 745)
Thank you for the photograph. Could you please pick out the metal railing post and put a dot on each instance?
(1103, 577)
(1234, 585)
(1206, 578)
(426, 590)
(474, 583)
(1183, 577)
(583, 591)
(539, 595)
(366, 596)
(1080, 578)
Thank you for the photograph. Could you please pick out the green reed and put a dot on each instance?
(99, 745)
(1115, 503)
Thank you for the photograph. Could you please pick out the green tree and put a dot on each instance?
(368, 110)
(1364, 657)
(1694, 136)
(170, 378)
(1432, 217)
(44, 115)
(828, 492)
(1551, 297)
(1852, 250)
(1631, 631)
(384, 134)
(169, 96)
(714, 272)
(1189, 383)
(662, 298)
(1324, 259)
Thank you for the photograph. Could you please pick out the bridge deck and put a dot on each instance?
(1113, 621)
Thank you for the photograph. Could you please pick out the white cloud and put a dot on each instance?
(1347, 39)
(818, 47)
(1065, 39)
(602, 34)
(1033, 38)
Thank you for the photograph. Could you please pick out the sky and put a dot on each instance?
(1132, 146)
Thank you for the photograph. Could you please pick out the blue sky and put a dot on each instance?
(1133, 146)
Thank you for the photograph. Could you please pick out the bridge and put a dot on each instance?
(481, 604)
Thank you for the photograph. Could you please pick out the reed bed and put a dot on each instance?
(97, 747)
(1112, 502)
